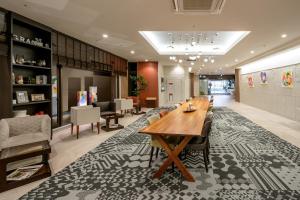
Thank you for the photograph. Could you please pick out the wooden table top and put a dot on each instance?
(180, 123)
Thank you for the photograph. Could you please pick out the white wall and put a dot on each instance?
(272, 96)
(174, 72)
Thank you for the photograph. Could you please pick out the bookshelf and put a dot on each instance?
(31, 61)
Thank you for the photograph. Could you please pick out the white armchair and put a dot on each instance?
(24, 130)
(124, 105)
(84, 115)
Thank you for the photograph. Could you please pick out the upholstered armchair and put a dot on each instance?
(136, 102)
(107, 108)
(124, 105)
(85, 115)
(24, 130)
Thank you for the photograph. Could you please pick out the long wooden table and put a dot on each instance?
(178, 123)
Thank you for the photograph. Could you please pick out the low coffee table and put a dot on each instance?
(12, 154)
(114, 116)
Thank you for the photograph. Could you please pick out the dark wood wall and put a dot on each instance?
(74, 53)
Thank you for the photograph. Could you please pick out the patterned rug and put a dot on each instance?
(247, 162)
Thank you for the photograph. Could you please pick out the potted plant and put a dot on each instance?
(141, 85)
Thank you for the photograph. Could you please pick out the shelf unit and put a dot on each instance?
(28, 29)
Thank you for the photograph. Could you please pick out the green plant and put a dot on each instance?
(141, 84)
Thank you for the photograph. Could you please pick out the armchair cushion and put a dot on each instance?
(24, 139)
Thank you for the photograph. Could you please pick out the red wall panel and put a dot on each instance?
(149, 70)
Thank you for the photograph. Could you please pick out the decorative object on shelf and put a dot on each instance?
(19, 59)
(40, 113)
(250, 81)
(13, 59)
(92, 94)
(20, 113)
(13, 78)
(54, 86)
(22, 96)
(37, 97)
(22, 39)
(263, 78)
(15, 37)
(47, 45)
(14, 101)
(81, 98)
(41, 79)
(287, 79)
(19, 79)
(41, 63)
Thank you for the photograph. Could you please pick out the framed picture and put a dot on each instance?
(81, 98)
(37, 97)
(250, 81)
(22, 96)
(263, 78)
(287, 79)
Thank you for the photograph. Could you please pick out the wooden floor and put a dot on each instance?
(66, 148)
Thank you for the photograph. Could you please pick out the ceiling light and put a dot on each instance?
(252, 52)
(212, 60)
(180, 61)
(186, 54)
(132, 52)
(284, 35)
(190, 69)
(199, 53)
(226, 65)
(236, 60)
(104, 35)
(205, 60)
(192, 63)
(146, 60)
(203, 65)
(198, 57)
(193, 43)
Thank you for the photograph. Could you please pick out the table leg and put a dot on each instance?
(173, 157)
(72, 127)
(77, 131)
(2, 174)
(107, 122)
(98, 127)
(92, 125)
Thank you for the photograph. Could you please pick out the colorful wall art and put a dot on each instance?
(263, 78)
(92, 94)
(287, 79)
(250, 81)
(81, 98)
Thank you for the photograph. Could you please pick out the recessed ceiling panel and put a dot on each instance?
(206, 43)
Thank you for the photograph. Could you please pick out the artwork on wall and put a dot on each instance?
(263, 78)
(81, 98)
(54, 86)
(250, 81)
(92, 94)
(287, 79)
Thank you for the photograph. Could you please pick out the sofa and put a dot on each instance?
(107, 108)
(24, 130)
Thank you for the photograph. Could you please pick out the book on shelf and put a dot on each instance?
(23, 173)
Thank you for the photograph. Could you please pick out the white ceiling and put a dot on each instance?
(193, 43)
(123, 19)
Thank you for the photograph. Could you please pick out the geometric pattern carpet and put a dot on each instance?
(246, 162)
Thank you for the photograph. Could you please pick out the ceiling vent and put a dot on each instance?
(198, 6)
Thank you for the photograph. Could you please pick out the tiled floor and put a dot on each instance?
(66, 149)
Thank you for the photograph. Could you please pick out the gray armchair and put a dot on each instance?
(107, 108)
(24, 130)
